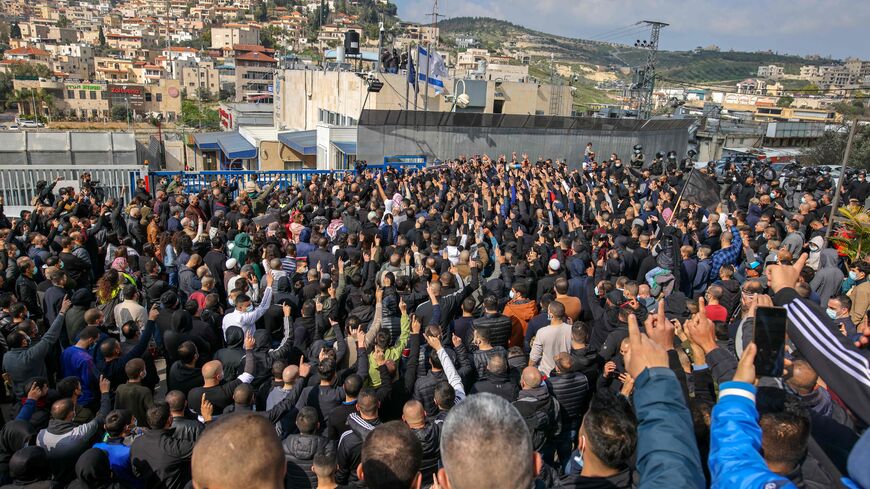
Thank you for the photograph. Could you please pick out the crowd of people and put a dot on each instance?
(501, 322)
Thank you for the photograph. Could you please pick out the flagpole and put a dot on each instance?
(408, 74)
(417, 78)
(679, 197)
(428, 74)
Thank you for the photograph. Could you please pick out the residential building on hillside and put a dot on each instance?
(770, 72)
(255, 72)
(229, 35)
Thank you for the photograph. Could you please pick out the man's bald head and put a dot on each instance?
(413, 414)
(290, 374)
(486, 443)
(531, 377)
(250, 442)
(210, 369)
(803, 377)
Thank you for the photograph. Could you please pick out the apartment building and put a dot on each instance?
(229, 35)
(255, 72)
(771, 72)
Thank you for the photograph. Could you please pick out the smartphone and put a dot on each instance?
(770, 324)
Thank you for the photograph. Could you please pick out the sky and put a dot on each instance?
(836, 28)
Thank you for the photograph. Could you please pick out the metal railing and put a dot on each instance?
(18, 183)
(194, 182)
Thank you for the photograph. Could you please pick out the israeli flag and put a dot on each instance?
(432, 66)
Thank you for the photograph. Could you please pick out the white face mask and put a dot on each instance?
(512, 294)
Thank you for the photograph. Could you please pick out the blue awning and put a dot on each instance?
(302, 142)
(347, 148)
(207, 140)
(236, 147)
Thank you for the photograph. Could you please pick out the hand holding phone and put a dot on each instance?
(770, 329)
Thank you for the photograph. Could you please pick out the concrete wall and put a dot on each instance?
(300, 93)
(444, 136)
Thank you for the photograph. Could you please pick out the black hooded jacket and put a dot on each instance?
(349, 451)
(93, 471)
(299, 451)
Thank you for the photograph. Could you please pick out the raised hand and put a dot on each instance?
(643, 353)
(153, 313)
(287, 310)
(250, 343)
(746, 366)
(206, 409)
(65, 305)
(105, 385)
(785, 276)
(701, 330)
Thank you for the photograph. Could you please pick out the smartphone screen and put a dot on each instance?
(770, 325)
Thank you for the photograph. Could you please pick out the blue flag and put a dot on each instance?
(412, 73)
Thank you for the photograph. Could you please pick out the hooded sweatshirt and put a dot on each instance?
(826, 282)
(241, 245)
(93, 471)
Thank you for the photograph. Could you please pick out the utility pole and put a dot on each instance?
(644, 77)
(836, 202)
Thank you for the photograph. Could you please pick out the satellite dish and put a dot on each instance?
(463, 100)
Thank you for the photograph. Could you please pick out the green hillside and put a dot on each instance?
(700, 67)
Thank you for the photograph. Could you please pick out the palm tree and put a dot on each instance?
(36, 101)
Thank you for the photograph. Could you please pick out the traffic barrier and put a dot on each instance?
(18, 183)
(194, 182)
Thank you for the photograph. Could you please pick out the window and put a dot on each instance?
(94, 113)
(160, 97)
(147, 96)
(93, 95)
(102, 95)
(71, 94)
(82, 94)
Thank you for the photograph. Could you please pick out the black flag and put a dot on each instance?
(701, 189)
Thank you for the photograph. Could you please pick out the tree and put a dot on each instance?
(20, 71)
(121, 113)
(63, 21)
(830, 148)
(811, 89)
(194, 114)
(15, 31)
(262, 13)
(785, 101)
(102, 37)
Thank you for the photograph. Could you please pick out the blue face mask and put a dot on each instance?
(596, 291)
(853, 275)
(250, 308)
(831, 313)
(772, 195)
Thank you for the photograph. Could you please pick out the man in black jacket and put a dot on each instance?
(572, 391)
(428, 433)
(300, 449)
(350, 444)
(160, 457)
(183, 422)
(497, 380)
(115, 360)
(25, 287)
(539, 410)
(54, 295)
(497, 325)
(449, 303)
